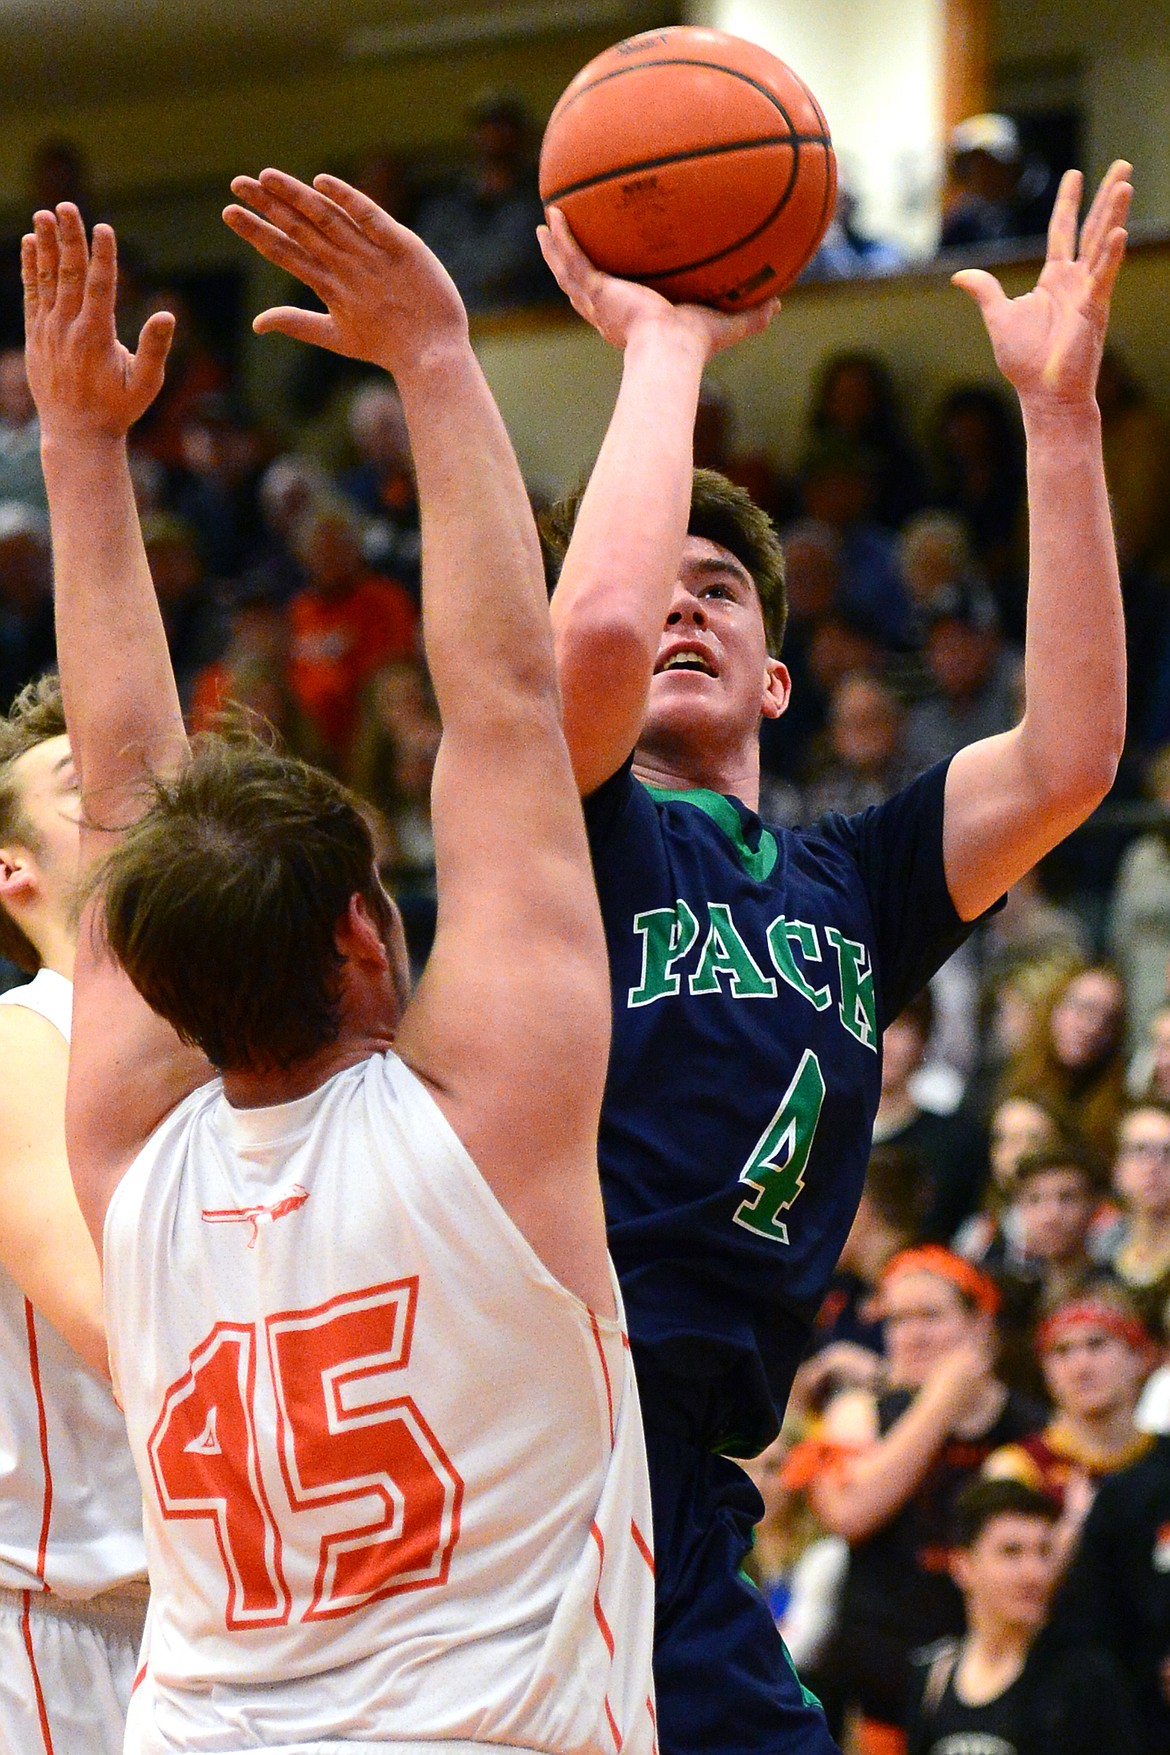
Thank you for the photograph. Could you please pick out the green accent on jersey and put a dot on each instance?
(806, 1694)
(782, 935)
(726, 954)
(776, 1166)
(858, 1006)
(722, 812)
(667, 935)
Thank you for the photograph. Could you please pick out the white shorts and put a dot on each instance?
(67, 1670)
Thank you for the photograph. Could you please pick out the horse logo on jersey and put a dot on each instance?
(257, 1215)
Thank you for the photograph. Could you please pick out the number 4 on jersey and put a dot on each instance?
(776, 1167)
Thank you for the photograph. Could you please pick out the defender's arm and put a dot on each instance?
(1010, 799)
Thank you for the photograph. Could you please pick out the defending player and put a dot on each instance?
(72, 1563)
(361, 1314)
(754, 969)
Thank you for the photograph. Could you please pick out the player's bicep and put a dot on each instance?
(999, 818)
(127, 1071)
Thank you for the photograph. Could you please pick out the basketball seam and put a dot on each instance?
(687, 61)
(675, 158)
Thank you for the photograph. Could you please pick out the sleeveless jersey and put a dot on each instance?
(70, 1508)
(754, 970)
(395, 1484)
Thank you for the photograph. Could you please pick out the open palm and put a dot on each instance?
(1048, 343)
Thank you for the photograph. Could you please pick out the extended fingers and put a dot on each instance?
(28, 275)
(1110, 208)
(73, 260)
(312, 216)
(48, 257)
(101, 281)
(371, 219)
(1062, 227)
(274, 244)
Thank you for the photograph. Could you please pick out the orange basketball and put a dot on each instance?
(694, 161)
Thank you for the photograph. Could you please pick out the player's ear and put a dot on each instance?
(17, 874)
(777, 689)
(359, 937)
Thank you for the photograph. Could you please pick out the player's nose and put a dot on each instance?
(686, 608)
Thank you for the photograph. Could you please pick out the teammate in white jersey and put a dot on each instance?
(72, 1564)
(362, 1318)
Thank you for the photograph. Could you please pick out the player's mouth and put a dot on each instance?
(689, 657)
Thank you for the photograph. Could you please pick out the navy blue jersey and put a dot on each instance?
(754, 970)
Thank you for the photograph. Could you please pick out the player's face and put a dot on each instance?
(1008, 1573)
(51, 806)
(1091, 1372)
(713, 679)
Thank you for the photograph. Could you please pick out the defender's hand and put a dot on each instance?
(84, 382)
(389, 299)
(1048, 343)
(616, 308)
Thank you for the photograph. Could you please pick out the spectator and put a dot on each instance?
(215, 491)
(990, 202)
(752, 470)
(1139, 911)
(975, 678)
(845, 251)
(889, 1219)
(392, 765)
(1117, 1593)
(854, 400)
(1072, 1058)
(1013, 1685)
(381, 484)
(346, 623)
(980, 463)
(935, 558)
(27, 645)
(252, 675)
(863, 762)
(950, 1149)
(1152, 1068)
(484, 229)
(193, 371)
(1141, 1176)
(1136, 442)
(812, 573)
(20, 436)
(901, 1459)
(193, 614)
(839, 479)
(991, 1237)
(290, 486)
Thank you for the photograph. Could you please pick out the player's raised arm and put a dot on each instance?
(510, 1023)
(126, 1067)
(1010, 799)
(615, 586)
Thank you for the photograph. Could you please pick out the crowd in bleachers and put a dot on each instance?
(1001, 1312)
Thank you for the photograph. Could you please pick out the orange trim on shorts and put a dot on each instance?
(604, 1372)
(34, 1365)
(642, 1546)
(42, 1712)
(138, 1680)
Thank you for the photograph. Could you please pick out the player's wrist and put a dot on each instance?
(1066, 416)
(668, 333)
(66, 441)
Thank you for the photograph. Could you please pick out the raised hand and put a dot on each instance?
(84, 382)
(616, 308)
(1048, 343)
(389, 299)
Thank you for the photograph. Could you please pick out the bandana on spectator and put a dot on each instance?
(1097, 1313)
(932, 1258)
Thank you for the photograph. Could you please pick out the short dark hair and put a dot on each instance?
(981, 1501)
(36, 715)
(721, 512)
(1067, 1155)
(897, 1187)
(222, 902)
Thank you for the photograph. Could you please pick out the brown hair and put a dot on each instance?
(721, 512)
(36, 715)
(222, 902)
(1068, 1154)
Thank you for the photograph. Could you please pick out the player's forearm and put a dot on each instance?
(623, 560)
(1074, 725)
(485, 609)
(120, 697)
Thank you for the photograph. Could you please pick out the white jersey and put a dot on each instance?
(394, 1472)
(70, 1506)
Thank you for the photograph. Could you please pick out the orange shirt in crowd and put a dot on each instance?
(338, 642)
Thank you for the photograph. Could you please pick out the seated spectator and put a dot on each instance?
(861, 761)
(252, 676)
(975, 678)
(1150, 1073)
(888, 1220)
(901, 1458)
(484, 229)
(381, 483)
(839, 479)
(752, 470)
(1117, 1590)
(290, 486)
(27, 645)
(193, 613)
(935, 558)
(215, 490)
(1019, 1127)
(854, 401)
(980, 459)
(193, 371)
(1141, 1177)
(845, 251)
(21, 480)
(950, 1149)
(1013, 1684)
(392, 764)
(346, 623)
(1096, 1354)
(812, 574)
(1139, 909)
(991, 202)
(1072, 1059)
(1136, 443)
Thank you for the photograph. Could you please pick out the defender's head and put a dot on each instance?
(39, 816)
(246, 908)
(717, 672)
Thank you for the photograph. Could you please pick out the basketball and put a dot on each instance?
(695, 162)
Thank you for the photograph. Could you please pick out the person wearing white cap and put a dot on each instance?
(986, 165)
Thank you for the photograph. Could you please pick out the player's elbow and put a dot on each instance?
(606, 637)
